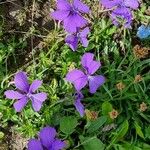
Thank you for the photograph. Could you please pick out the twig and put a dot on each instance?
(10, 1)
(32, 26)
(22, 32)
(106, 10)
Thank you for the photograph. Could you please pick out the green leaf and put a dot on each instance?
(68, 124)
(147, 132)
(93, 143)
(106, 108)
(145, 146)
(1, 135)
(138, 130)
(123, 129)
(130, 146)
(118, 147)
(95, 125)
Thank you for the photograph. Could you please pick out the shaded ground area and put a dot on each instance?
(12, 140)
(25, 23)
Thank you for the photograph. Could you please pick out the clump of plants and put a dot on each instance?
(89, 89)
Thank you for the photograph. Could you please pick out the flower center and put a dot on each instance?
(29, 95)
(90, 77)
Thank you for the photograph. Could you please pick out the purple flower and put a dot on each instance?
(47, 141)
(70, 14)
(109, 4)
(123, 15)
(80, 79)
(122, 10)
(78, 105)
(133, 4)
(26, 92)
(72, 40)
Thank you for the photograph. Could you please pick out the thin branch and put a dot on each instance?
(22, 32)
(32, 26)
(10, 1)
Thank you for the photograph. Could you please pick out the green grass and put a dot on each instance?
(114, 48)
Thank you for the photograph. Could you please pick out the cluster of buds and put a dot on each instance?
(140, 52)
(143, 107)
(120, 86)
(138, 78)
(91, 115)
(113, 114)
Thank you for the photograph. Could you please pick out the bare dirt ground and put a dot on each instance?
(29, 22)
(13, 140)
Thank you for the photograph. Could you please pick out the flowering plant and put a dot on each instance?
(88, 111)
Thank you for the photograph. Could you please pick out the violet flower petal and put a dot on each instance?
(47, 135)
(83, 36)
(95, 82)
(85, 32)
(36, 105)
(79, 95)
(35, 145)
(39, 96)
(72, 41)
(113, 17)
(37, 100)
(74, 21)
(60, 14)
(123, 13)
(79, 107)
(88, 64)
(58, 145)
(110, 4)
(134, 4)
(11, 94)
(86, 59)
(21, 81)
(77, 78)
(63, 5)
(20, 104)
(34, 86)
(94, 66)
(83, 8)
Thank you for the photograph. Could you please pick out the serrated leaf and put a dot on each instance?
(138, 130)
(106, 108)
(95, 125)
(68, 124)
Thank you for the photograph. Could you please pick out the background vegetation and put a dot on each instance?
(117, 116)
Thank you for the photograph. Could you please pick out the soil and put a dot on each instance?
(20, 19)
(12, 140)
